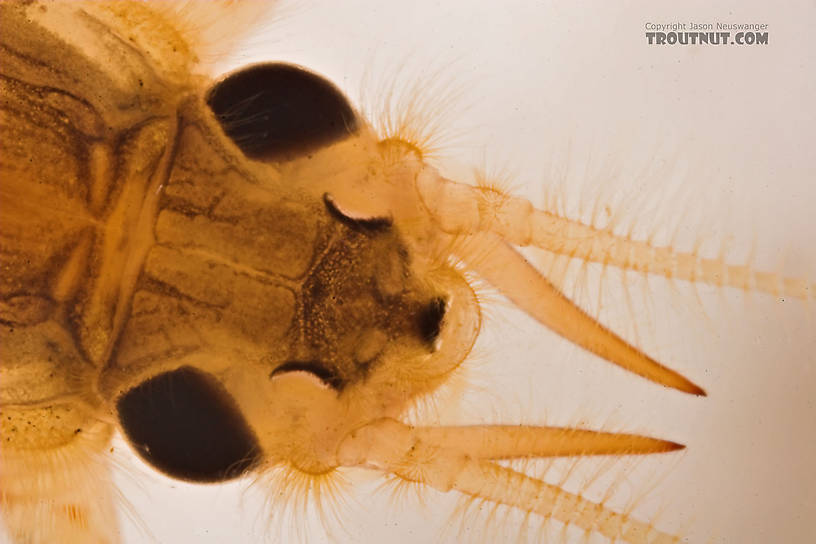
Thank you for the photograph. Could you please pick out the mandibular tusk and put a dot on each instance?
(508, 271)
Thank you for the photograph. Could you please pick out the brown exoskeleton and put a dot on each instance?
(243, 275)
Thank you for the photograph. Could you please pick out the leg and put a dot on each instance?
(54, 479)
(56, 494)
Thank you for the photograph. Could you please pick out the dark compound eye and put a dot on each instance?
(186, 425)
(277, 112)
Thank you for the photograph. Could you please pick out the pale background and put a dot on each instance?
(713, 144)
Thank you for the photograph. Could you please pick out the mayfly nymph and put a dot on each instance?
(241, 274)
